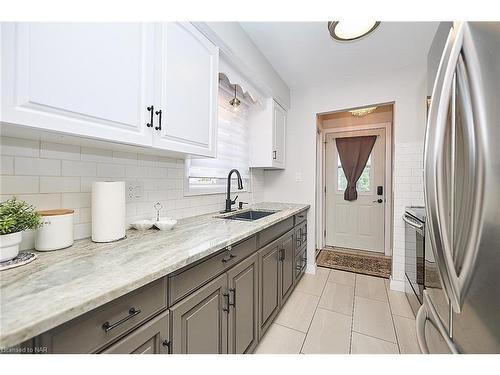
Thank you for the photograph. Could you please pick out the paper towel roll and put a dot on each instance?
(108, 211)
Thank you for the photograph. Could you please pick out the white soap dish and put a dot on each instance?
(165, 224)
(142, 224)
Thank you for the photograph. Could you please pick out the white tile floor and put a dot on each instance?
(337, 312)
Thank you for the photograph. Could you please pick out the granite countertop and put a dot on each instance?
(61, 285)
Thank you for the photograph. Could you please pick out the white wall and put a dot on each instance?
(405, 87)
(53, 175)
(255, 64)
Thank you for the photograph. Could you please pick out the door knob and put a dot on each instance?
(378, 201)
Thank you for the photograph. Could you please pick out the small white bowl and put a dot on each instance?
(142, 224)
(165, 224)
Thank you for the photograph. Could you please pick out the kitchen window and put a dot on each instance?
(209, 176)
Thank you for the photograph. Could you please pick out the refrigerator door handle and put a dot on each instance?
(451, 66)
(428, 314)
(433, 159)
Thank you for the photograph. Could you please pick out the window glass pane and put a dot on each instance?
(363, 184)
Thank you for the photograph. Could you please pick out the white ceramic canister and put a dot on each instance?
(57, 230)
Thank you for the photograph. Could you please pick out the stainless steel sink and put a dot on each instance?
(250, 215)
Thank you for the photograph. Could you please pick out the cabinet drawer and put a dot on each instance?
(300, 217)
(99, 327)
(277, 230)
(150, 338)
(187, 280)
(300, 235)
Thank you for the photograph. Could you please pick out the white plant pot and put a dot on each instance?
(9, 245)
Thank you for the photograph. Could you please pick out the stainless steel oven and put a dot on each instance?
(414, 218)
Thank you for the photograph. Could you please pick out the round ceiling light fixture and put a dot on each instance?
(347, 31)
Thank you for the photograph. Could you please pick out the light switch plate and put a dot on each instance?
(135, 191)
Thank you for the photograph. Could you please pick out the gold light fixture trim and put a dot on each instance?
(362, 112)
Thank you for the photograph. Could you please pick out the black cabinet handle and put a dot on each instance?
(150, 109)
(274, 155)
(226, 297)
(166, 344)
(282, 254)
(159, 120)
(233, 291)
(107, 326)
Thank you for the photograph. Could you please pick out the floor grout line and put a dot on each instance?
(375, 337)
(314, 314)
(392, 319)
(352, 316)
(293, 329)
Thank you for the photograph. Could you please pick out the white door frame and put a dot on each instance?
(388, 213)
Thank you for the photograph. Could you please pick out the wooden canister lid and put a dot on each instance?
(58, 212)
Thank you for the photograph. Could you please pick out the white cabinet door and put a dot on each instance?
(88, 79)
(188, 93)
(279, 125)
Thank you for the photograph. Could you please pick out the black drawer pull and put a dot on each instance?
(300, 216)
(233, 291)
(159, 121)
(107, 326)
(166, 344)
(151, 109)
(226, 297)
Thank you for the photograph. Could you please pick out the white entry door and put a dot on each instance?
(357, 224)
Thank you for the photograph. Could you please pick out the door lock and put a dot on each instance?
(378, 201)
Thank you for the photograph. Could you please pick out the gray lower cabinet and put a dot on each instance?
(287, 265)
(150, 338)
(199, 321)
(243, 282)
(269, 286)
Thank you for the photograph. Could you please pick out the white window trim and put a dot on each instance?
(190, 190)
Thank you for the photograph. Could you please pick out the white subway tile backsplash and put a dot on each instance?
(19, 147)
(37, 167)
(7, 165)
(96, 154)
(40, 201)
(408, 190)
(124, 158)
(110, 170)
(78, 168)
(148, 160)
(75, 200)
(59, 184)
(135, 171)
(53, 175)
(82, 230)
(19, 185)
(59, 151)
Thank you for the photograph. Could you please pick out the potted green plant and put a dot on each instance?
(15, 217)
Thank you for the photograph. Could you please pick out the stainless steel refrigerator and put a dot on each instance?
(461, 300)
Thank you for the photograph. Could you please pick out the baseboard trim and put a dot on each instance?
(311, 268)
(398, 285)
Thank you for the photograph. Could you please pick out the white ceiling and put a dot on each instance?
(303, 53)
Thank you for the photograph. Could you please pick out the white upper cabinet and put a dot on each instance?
(188, 91)
(267, 136)
(102, 80)
(279, 123)
(92, 80)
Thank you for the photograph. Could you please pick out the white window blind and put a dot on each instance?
(232, 144)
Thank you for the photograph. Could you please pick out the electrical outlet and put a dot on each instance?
(135, 191)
